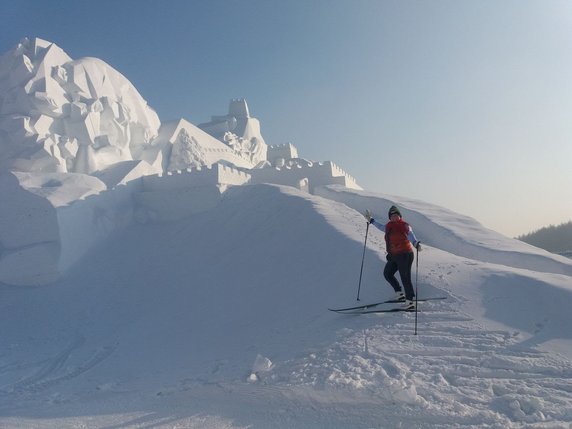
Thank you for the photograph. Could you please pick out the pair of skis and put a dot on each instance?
(370, 308)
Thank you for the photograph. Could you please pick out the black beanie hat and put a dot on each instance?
(393, 210)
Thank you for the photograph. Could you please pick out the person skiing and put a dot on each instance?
(399, 240)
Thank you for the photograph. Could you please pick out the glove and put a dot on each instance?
(368, 216)
(418, 246)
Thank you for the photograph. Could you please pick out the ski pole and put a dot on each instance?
(362, 259)
(416, 285)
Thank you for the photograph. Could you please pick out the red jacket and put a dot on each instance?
(396, 237)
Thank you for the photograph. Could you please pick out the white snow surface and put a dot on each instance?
(220, 320)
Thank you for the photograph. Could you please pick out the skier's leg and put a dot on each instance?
(389, 274)
(404, 264)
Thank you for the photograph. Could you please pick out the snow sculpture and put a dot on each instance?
(78, 146)
(239, 131)
(60, 115)
(186, 152)
(182, 145)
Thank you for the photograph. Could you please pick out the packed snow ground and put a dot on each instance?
(221, 321)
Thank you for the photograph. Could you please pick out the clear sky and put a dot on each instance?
(465, 104)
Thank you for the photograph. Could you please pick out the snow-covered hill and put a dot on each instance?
(220, 320)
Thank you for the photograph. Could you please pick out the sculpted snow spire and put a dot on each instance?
(239, 130)
(238, 108)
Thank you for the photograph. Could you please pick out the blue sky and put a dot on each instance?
(466, 104)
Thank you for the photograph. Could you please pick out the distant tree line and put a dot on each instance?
(556, 239)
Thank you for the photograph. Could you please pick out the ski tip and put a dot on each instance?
(347, 312)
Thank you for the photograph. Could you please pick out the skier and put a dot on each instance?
(399, 240)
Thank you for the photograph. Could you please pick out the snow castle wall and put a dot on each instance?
(316, 174)
(176, 195)
(52, 220)
(275, 153)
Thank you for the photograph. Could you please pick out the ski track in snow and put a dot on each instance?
(453, 374)
(54, 371)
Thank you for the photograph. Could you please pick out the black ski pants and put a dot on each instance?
(402, 263)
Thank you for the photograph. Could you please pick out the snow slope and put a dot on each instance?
(221, 321)
(453, 232)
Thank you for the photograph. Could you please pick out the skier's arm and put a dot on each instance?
(380, 226)
(411, 237)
